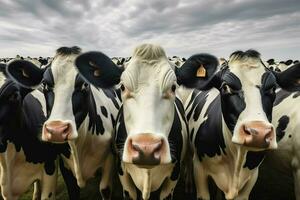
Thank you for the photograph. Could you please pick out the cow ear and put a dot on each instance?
(197, 71)
(25, 73)
(289, 79)
(98, 69)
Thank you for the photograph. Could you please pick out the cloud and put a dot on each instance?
(38, 27)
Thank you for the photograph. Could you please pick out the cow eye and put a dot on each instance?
(122, 87)
(270, 91)
(226, 89)
(46, 87)
(84, 86)
(173, 88)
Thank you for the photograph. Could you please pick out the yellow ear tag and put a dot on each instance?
(25, 74)
(201, 72)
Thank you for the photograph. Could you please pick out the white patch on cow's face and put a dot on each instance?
(64, 74)
(250, 73)
(148, 100)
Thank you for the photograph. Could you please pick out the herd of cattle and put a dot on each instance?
(148, 119)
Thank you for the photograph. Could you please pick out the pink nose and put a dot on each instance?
(57, 131)
(145, 149)
(257, 134)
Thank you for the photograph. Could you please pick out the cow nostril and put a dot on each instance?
(250, 131)
(246, 130)
(136, 147)
(158, 146)
(66, 130)
(49, 130)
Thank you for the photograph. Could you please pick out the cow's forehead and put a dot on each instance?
(63, 69)
(139, 72)
(249, 71)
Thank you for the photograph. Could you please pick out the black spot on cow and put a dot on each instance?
(82, 99)
(111, 94)
(175, 138)
(106, 193)
(209, 137)
(104, 111)
(253, 159)
(197, 102)
(95, 122)
(113, 121)
(194, 94)
(290, 136)
(267, 91)
(192, 134)
(282, 125)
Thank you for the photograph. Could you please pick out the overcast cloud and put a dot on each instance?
(182, 27)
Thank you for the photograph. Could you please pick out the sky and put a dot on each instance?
(181, 27)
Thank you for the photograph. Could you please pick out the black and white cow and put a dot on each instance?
(24, 159)
(151, 130)
(230, 125)
(77, 114)
(286, 120)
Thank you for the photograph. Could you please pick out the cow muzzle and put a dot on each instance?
(56, 131)
(146, 150)
(257, 134)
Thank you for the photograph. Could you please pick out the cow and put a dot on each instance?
(151, 130)
(230, 123)
(77, 114)
(24, 159)
(286, 120)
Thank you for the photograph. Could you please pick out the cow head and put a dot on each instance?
(148, 85)
(65, 92)
(247, 90)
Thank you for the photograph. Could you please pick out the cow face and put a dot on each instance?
(148, 89)
(65, 92)
(247, 90)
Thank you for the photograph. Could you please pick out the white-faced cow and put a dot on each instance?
(151, 131)
(231, 126)
(24, 159)
(77, 114)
